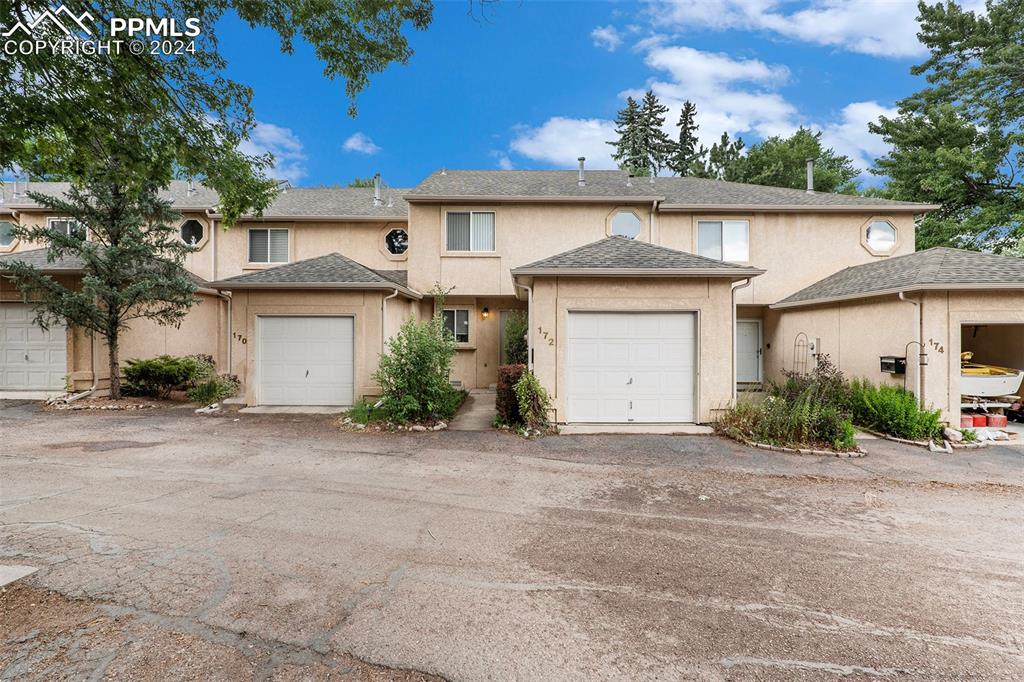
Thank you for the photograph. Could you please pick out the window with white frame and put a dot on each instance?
(456, 322)
(880, 236)
(268, 245)
(626, 224)
(469, 231)
(6, 233)
(191, 232)
(67, 226)
(727, 240)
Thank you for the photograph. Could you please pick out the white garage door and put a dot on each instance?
(631, 367)
(30, 359)
(305, 360)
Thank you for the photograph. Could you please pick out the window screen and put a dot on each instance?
(470, 231)
(727, 240)
(268, 246)
(456, 322)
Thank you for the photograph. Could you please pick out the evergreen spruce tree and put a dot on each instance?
(629, 149)
(655, 143)
(688, 155)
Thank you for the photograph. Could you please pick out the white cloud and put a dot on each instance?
(360, 143)
(559, 141)
(876, 27)
(850, 135)
(606, 37)
(738, 96)
(286, 147)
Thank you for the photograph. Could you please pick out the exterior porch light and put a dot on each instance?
(486, 312)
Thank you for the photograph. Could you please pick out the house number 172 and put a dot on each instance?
(549, 339)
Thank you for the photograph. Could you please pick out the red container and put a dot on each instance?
(966, 421)
(997, 421)
(980, 420)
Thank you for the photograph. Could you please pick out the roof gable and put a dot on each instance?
(619, 254)
(936, 268)
(330, 271)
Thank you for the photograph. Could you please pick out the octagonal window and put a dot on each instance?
(626, 224)
(881, 236)
(192, 232)
(6, 233)
(397, 241)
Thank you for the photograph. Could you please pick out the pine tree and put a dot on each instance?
(629, 147)
(688, 155)
(656, 144)
(724, 160)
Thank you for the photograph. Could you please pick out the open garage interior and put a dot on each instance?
(992, 357)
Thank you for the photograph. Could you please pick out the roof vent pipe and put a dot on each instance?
(191, 187)
(810, 176)
(376, 191)
(582, 181)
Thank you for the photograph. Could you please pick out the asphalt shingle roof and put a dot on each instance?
(338, 201)
(332, 269)
(622, 253)
(356, 202)
(38, 258)
(672, 191)
(937, 268)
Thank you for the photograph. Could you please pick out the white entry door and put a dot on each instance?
(30, 359)
(631, 367)
(305, 360)
(748, 351)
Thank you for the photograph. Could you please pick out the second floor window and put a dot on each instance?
(68, 226)
(6, 233)
(727, 240)
(456, 323)
(268, 246)
(470, 231)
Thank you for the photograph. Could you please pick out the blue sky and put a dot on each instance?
(536, 84)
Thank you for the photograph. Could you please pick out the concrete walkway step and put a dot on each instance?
(477, 413)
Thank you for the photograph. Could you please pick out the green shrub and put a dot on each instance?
(364, 412)
(157, 377)
(893, 410)
(534, 401)
(970, 435)
(214, 389)
(506, 402)
(413, 373)
(516, 347)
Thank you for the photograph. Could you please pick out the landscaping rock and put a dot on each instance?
(952, 435)
(440, 425)
(419, 427)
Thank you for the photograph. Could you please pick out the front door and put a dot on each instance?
(748, 351)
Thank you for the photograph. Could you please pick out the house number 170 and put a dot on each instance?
(549, 339)
(242, 339)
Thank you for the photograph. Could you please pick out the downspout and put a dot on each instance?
(529, 324)
(384, 319)
(226, 296)
(735, 288)
(655, 237)
(920, 346)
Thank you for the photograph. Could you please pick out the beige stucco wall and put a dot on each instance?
(363, 306)
(943, 314)
(362, 242)
(523, 233)
(201, 331)
(553, 298)
(853, 334)
(795, 249)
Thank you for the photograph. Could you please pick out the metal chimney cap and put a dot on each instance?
(582, 181)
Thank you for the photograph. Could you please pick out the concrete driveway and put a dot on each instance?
(173, 546)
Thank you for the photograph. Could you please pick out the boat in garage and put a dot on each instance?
(987, 381)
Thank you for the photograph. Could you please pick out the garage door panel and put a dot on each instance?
(637, 367)
(31, 358)
(306, 361)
